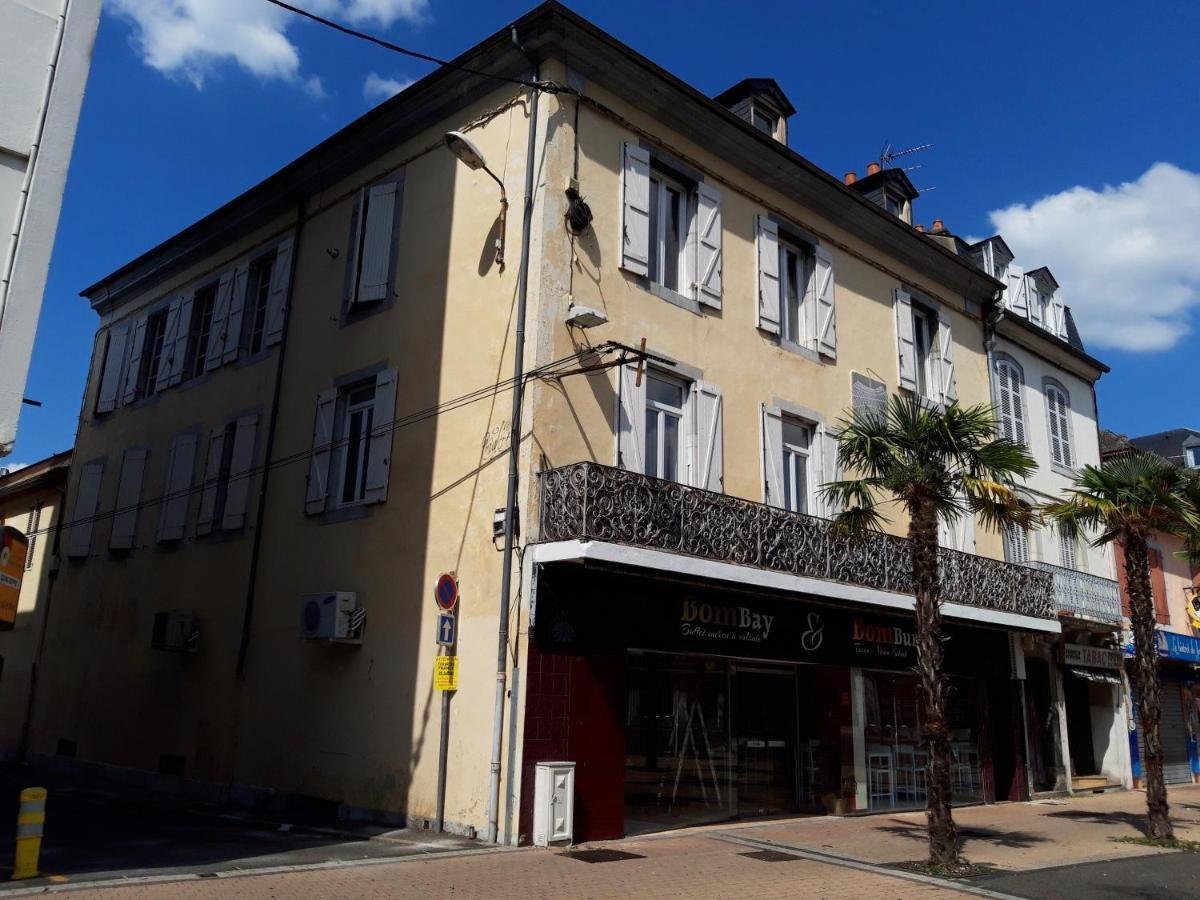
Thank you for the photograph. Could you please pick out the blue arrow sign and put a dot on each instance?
(446, 628)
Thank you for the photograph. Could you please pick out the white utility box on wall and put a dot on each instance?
(553, 803)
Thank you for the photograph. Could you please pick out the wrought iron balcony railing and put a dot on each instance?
(1083, 594)
(588, 501)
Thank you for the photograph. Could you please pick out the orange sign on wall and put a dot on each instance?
(14, 547)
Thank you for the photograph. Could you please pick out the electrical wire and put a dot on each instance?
(554, 369)
(548, 87)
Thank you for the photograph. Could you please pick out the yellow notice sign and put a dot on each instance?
(445, 673)
(13, 549)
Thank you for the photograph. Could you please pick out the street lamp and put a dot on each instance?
(469, 154)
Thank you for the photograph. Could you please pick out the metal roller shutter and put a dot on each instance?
(1176, 767)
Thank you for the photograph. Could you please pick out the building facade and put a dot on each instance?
(302, 398)
(45, 54)
(31, 501)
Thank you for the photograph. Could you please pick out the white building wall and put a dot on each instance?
(45, 51)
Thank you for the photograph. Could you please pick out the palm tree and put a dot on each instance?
(1126, 500)
(938, 465)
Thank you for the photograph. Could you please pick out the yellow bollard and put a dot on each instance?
(30, 820)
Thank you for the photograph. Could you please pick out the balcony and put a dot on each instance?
(1083, 595)
(589, 502)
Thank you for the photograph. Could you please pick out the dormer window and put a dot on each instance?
(761, 103)
(764, 121)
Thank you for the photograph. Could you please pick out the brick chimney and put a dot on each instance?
(849, 178)
(920, 228)
(938, 226)
(873, 168)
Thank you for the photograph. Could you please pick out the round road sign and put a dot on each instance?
(446, 592)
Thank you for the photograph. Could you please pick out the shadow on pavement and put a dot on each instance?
(1018, 840)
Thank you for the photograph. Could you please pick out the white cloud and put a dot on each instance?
(189, 38)
(1125, 256)
(376, 88)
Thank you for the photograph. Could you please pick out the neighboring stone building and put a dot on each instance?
(305, 392)
(45, 54)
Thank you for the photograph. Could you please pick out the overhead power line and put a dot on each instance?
(546, 86)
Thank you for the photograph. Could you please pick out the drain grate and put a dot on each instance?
(770, 856)
(601, 855)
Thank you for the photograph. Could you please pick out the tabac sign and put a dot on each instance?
(1094, 657)
(14, 547)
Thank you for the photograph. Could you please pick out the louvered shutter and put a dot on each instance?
(710, 419)
(1122, 577)
(1009, 390)
(237, 492)
(1058, 416)
(1016, 544)
(129, 497)
(375, 260)
(380, 453)
(635, 210)
(182, 332)
(826, 307)
(631, 414)
(1158, 586)
(281, 276)
(905, 341)
(767, 243)
(232, 344)
(212, 481)
(772, 456)
(830, 470)
(135, 361)
(110, 378)
(173, 511)
(949, 383)
(708, 246)
(87, 502)
(1018, 298)
(219, 331)
(318, 466)
(166, 361)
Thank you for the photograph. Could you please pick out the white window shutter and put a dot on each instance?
(231, 345)
(281, 278)
(137, 344)
(380, 457)
(772, 444)
(110, 378)
(87, 501)
(182, 332)
(949, 383)
(241, 463)
(767, 243)
(218, 335)
(635, 210)
(375, 260)
(318, 466)
(174, 506)
(212, 478)
(129, 497)
(631, 426)
(1058, 414)
(710, 438)
(708, 246)
(1010, 401)
(830, 470)
(1018, 296)
(905, 340)
(1059, 311)
(166, 361)
(826, 305)
(1033, 299)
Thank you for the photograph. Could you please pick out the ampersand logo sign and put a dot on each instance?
(812, 637)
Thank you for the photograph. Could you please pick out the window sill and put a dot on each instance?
(351, 512)
(799, 350)
(356, 312)
(1064, 470)
(673, 297)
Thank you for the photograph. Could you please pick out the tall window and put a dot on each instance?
(1067, 557)
(1058, 415)
(152, 354)
(200, 330)
(795, 269)
(797, 454)
(924, 336)
(356, 443)
(669, 223)
(224, 467)
(1010, 385)
(1016, 544)
(664, 425)
(258, 290)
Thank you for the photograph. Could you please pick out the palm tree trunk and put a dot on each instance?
(1145, 671)
(923, 534)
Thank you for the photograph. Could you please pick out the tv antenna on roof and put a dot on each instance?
(888, 154)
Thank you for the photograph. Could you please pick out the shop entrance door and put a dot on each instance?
(764, 723)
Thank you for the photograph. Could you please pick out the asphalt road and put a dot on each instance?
(1165, 876)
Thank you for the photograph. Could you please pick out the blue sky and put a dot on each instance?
(1053, 114)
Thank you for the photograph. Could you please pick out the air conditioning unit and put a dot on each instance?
(175, 630)
(333, 615)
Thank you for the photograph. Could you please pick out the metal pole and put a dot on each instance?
(514, 446)
(443, 746)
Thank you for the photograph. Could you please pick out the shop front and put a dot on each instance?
(684, 703)
(1178, 658)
